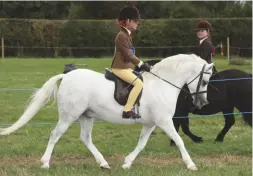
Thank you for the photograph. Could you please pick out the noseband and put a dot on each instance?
(200, 75)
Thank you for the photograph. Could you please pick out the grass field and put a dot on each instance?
(21, 151)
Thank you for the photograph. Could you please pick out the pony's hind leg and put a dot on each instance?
(229, 122)
(166, 124)
(86, 124)
(145, 133)
(56, 134)
(66, 118)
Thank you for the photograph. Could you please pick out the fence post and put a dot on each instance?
(221, 49)
(228, 48)
(2, 46)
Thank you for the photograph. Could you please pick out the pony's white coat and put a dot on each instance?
(85, 94)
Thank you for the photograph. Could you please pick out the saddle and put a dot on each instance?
(122, 88)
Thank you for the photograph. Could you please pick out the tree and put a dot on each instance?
(34, 9)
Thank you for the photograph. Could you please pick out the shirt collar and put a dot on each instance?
(129, 32)
(202, 40)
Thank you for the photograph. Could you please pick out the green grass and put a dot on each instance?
(21, 151)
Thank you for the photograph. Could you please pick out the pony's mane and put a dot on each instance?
(173, 62)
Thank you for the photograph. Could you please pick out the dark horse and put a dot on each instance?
(223, 96)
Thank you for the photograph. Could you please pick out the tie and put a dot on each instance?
(131, 36)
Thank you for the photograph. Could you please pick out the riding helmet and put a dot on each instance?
(204, 25)
(129, 12)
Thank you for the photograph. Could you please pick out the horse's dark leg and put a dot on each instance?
(246, 106)
(248, 119)
(177, 124)
(186, 130)
(181, 116)
(229, 122)
(184, 122)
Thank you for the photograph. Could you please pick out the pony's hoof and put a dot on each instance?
(193, 168)
(126, 166)
(105, 166)
(45, 166)
(218, 140)
(198, 140)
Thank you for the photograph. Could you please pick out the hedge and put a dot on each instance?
(63, 38)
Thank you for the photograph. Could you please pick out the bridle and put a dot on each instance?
(200, 75)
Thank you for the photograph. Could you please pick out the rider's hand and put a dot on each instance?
(146, 67)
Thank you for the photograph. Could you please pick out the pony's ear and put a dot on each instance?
(209, 66)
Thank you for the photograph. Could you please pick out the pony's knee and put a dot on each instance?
(168, 127)
(85, 138)
(179, 142)
(177, 139)
(141, 146)
(53, 136)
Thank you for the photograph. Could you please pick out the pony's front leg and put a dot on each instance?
(166, 124)
(145, 133)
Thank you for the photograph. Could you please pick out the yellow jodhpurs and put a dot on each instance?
(128, 76)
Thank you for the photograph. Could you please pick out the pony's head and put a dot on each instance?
(198, 85)
(190, 70)
(200, 73)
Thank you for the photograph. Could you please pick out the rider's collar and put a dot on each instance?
(129, 32)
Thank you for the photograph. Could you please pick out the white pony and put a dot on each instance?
(85, 95)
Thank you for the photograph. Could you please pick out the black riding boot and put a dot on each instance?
(130, 115)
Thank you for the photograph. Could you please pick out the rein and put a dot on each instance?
(170, 83)
(198, 86)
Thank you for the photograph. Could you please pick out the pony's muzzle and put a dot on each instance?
(204, 103)
(200, 104)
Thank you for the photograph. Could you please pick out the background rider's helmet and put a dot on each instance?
(129, 12)
(204, 25)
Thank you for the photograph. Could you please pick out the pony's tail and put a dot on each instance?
(38, 100)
